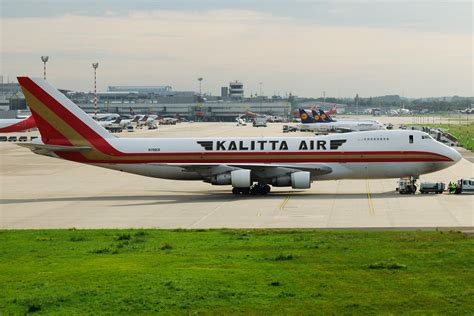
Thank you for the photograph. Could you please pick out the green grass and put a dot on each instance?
(463, 132)
(235, 272)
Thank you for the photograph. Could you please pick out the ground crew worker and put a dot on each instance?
(452, 187)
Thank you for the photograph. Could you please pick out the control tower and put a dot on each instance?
(236, 90)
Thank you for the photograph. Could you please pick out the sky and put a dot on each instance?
(370, 48)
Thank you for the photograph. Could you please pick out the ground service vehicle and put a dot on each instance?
(407, 186)
(465, 186)
(260, 123)
(432, 187)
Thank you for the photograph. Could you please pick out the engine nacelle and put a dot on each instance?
(241, 178)
(283, 181)
(297, 180)
(222, 179)
(301, 180)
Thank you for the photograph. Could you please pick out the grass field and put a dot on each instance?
(463, 132)
(235, 272)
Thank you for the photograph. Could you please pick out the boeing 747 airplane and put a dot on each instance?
(250, 165)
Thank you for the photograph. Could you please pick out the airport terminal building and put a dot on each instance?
(164, 101)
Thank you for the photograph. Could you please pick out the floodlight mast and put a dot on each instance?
(95, 66)
(200, 86)
(44, 59)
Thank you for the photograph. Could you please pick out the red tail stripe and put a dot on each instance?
(69, 118)
(49, 134)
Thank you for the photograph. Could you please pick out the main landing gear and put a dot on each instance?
(256, 189)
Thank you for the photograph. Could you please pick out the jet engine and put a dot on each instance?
(301, 180)
(241, 178)
(238, 178)
(297, 180)
(221, 179)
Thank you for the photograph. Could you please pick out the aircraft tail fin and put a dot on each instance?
(325, 117)
(305, 118)
(59, 120)
(317, 117)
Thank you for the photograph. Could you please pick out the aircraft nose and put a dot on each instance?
(455, 155)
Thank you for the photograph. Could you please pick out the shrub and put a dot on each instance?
(282, 257)
(387, 265)
(42, 238)
(78, 238)
(103, 251)
(166, 246)
(123, 237)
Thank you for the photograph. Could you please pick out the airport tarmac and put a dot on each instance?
(43, 192)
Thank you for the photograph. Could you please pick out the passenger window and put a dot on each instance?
(411, 139)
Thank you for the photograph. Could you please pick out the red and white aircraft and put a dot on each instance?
(248, 164)
(17, 125)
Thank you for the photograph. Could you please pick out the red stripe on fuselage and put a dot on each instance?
(210, 158)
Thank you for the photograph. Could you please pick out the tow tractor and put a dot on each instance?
(407, 185)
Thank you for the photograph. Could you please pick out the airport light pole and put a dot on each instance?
(44, 59)
(200, 86)
(95, 66)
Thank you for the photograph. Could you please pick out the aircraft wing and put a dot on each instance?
(344, 130)
(261, 171)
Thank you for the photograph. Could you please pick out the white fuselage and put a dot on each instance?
(342, 125)
(373, 154)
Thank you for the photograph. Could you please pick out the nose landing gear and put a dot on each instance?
(256, 189)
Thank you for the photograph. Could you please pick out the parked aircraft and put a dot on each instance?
(17, 125)
(332, 111)
(240, 121)
(249, 164)
(467, 111)
(323, 123)
(399, 112)
(108, 121)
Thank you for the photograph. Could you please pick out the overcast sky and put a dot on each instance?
(411, 48)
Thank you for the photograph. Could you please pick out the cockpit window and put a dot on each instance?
(426, 137)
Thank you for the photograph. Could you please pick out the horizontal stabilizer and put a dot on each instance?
(46, 149)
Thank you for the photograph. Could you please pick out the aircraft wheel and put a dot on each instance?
(267, 188)
(254, 190)
(245, 190)
(235, 191)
